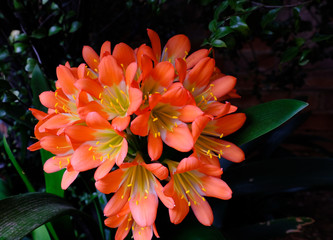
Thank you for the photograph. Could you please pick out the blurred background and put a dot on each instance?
(276, 48)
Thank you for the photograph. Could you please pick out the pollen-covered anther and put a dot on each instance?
(95, 60)
(187, 191)
(94, 157)
(155, 119)
(96, 70)
(90, 148)
(60, 164)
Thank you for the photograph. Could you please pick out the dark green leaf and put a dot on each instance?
(19, 47)
(52, 180)
(269, 17)
(232, 4)
(271, 229)
(265, 117)
(4, 192)
(279, 175)
(289, 54)
(303, 60)
(320, 38)
(54, 30)
(299, 41)
(31, 63)
(75, 26)
(21, 214)
(222, 32)
(212, 26)
(223, 6)
(238, 24)
(218, 43)
(38, 34)
(38, 85)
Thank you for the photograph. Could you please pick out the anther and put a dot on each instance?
(155, 119)
(90, 148)
(95, 60)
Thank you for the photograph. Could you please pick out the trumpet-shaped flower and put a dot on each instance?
(190, 182)
(125, 222)
(135, 183)
(207, 133)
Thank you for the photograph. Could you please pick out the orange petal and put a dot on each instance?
(111, 182)
(123, 230)
(155, 43)
(179, 212)
(135, 99)
(56, 163)
(34, 147)
(48, 99)
(157, 169)
(55, 144)
(211, 170)
(66, 80)
(155, 146)
(181, 67)
(95, 120)
(169, 188)
(167, 201)
(195, 57)
(199, 124)
(189, 113)
(109, 71)
(154, 99)
(124, 54)
(115, 221)
(199, 75)
(218, 109)
(139, 126)
(163, 73)
(223, 85)
(90, 57)
(58, 121)
(83, 160)
(180, 138)
(91, 107)
(38, 114)
(142, 232)
(117, 202)
(202, 211)
(122, 152)
(229, 124)
(90, 86)
(80, 133)
(121, 123)
(130, 73)
(176, 95)
(216, 187)
(104, 169)
(187, 164)
(232, 153)
(144, 209)
(177, 47)
(105, 49)
(68, 178)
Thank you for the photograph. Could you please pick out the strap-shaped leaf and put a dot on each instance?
(265, 117)
(21, 214)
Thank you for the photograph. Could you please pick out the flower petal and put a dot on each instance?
(38, 114)
(90, 86)
(80, 133)
(111, 182)
(48, 99)
(124, 54)
(122, 152)
(90, 57)
(160, 171)
(195, 57)
(83, 158)
(189, 113)
(135, 99)
(144, 209)
(109, 71)
(105, 49)
(229, 124)
(130, 73)
(66, 80)
(180, 138)
(121, 123)
(200, 74)
(68, 178)
(177, 47)
(139, 126)
(155, 146)
(167, 201)
(117, 202)
(216, 187)
(187, 164)
(95, 120)
(179, 212)
(202, 211)
(223, 85)
(232, 152)
(155, 43)
(55, 144)
(104, 169)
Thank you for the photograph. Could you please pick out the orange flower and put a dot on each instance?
(125, 222)
(190, 181)
(207, 133)
(98, 145)
(135, 183)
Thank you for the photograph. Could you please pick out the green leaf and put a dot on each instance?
(262, 118)
(269, 17)
(303, 60)
(218, 43)
(222, 32)
(38, 85)
(320, 38)
(75, 26)
(239, 24)
(31, 63)
(52, 180)
(289, 54)
(279, 175)
(21, 214)
(271, 229)
(17, 166)
(223, 6)
(19, 47)
(4, 192)
(54, 30)
(232, 4)
(212, 26)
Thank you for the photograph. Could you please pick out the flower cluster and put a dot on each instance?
(117, 113)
